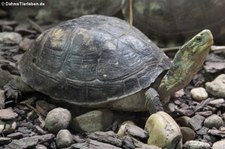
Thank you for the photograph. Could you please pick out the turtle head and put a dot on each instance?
(198, 46)
(187, 62)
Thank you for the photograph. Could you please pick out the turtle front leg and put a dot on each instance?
(14, 88)
(153, 102)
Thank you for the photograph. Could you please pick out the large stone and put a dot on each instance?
(96, 120)
(217, 86)
(219, 144)
(57, 119)
(163, 131)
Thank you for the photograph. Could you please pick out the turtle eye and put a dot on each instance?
(199, 39)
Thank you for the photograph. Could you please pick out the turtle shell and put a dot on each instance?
(92, 59)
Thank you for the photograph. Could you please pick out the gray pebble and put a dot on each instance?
(57, 119)
(196, 122)
(196, 145)
(10, 38)
(213, 121)
(64, 138)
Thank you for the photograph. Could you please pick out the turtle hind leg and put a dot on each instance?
(153, 102)
(14, 89)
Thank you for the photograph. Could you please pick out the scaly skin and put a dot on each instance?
(187, 62)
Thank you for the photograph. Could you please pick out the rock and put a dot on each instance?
(217, 86)
(57, 119)
(40, 146)
(163, 131)
(203, 131)
(213, 121)
(128, 128)
(10, 38)
(43, 107)
(5, 77)
(5, 140)
(196, 122)
(2, 99)
(7, 114)
(29, 142)
(107, 137)
(64, 138)
(217, 102)
(196, 145)
(146, 146)
(199, 94)
(187, 134)
(6, 127)
(92, 144)
(15, 135)
(219, 144)
(96, 120)
(183, 121)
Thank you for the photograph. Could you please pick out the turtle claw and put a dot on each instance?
(11, 91)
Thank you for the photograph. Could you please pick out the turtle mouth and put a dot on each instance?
(208, 37)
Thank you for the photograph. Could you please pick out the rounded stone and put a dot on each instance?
(219, 144)
(199, 94)
(187, 134)
(183, 121)
(57, 119)
(64, 138)
(213, 121)
(217, 86)
(163, 131)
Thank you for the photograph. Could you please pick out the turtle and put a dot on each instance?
(99, 61)
(170, 23)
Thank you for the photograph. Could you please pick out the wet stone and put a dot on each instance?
(213, 121)
(196, 122)
(163, 131)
